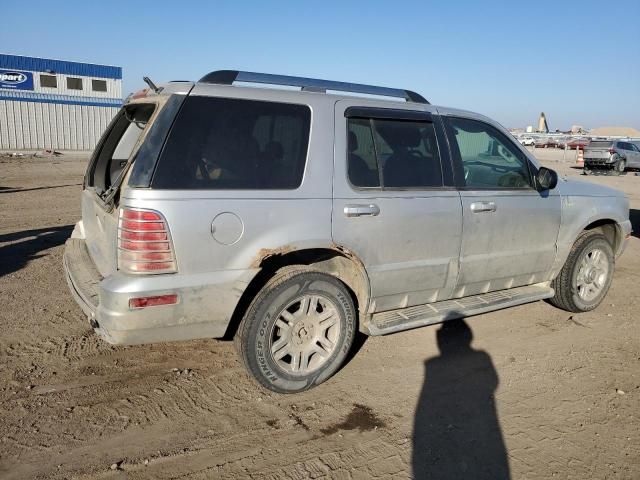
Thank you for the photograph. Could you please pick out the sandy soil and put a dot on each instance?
(537, 393)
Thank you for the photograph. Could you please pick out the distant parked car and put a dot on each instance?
(527, 141)
(578, 143)
(561, 142)
(545, 142)
(611, 155)
(540, 142)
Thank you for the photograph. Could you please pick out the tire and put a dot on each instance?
(573, 285)
(619, 167)
(287, 350)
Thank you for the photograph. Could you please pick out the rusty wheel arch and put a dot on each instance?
(334, 260)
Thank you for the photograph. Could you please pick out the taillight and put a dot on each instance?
(144, 242)
(612, 150)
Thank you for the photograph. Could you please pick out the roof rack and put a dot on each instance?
(228, 77)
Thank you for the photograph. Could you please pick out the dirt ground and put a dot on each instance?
(537, 392)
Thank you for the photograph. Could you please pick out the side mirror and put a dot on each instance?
(546, 179)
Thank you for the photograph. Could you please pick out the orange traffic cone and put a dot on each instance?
(580, 158)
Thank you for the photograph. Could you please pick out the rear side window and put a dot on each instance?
(393, 154)
(222, 143)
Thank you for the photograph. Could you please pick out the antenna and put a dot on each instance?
(152, 85)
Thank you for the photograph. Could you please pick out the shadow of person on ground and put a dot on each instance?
(27, 244)
(456, 432)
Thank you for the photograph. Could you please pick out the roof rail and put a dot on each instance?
(228, 77)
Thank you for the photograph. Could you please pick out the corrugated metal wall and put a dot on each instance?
(36, 126)
(37, 64)
(36, 117)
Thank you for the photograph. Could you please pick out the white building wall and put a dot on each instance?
(114, 86)
(38, 126)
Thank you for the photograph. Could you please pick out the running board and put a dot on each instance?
(412, 317)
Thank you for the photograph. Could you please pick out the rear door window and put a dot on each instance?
(222, 143)
(394, 154)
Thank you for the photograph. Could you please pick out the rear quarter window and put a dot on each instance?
(222, 143)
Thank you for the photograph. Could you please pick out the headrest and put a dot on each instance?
(274, 150)
(353, 142)
(399, 134)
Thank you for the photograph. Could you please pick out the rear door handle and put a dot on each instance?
(361, 210)
(478, 207)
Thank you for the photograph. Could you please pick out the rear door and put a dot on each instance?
(111, 156)
(395, 205)
(510, 229)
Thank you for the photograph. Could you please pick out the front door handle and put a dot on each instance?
(361, 210)
(478, 207)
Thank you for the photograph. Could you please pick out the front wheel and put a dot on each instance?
(297, 331)
(586, 276)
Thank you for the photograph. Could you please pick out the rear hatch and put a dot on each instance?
(598, 150)
(136, 134)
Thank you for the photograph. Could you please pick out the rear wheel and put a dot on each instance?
(619, 166)
(586, 276)
(297, 331)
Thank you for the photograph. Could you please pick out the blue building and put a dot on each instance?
(55, 104)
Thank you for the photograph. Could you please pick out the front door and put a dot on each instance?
(395, 205)
(510, 229)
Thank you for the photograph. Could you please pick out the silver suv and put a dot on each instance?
(291, 219)
(614, 155)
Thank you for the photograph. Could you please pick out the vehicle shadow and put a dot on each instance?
(16, 190)
(456, 431)
(26, 245)
(634, 216)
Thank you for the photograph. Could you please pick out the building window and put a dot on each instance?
(74, 83)
(48, 81)
(99, 85)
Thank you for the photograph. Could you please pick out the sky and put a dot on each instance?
(578, 62)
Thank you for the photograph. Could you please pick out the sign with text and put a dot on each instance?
(15, 80)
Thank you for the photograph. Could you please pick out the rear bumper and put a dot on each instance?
(598, 162)
(206, 301)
